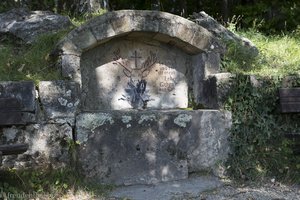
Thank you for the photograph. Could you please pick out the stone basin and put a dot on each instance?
(148, 146)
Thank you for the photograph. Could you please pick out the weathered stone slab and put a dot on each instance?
(114, 24)
(22, 91)
(11, 118)
(47, 146)
(10, 104)
(219, 31)
(146, 147)
(17, 102)
(70, 67)
(59, 99)
(124, 74)
(215, 90)
(29, 25)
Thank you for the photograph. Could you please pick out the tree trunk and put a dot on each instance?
(225, 11)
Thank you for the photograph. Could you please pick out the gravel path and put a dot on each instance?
(265, 191)
(207, 188)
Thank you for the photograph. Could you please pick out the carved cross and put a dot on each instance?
(135, 59)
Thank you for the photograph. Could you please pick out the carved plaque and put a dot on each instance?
(126, 74)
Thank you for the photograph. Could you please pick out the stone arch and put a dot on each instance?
(163, 27)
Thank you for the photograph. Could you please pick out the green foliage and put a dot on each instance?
(51, 183)
(259, 148)
(28, 62)
(273, 16)
(279, 55)
(81, 19)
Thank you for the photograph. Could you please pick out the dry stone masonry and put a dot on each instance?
(131, 77)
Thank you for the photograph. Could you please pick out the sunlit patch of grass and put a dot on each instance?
(50, 184)
(79, 20)
(29, 62)
(279, 55)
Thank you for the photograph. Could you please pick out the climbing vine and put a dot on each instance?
(259, 146)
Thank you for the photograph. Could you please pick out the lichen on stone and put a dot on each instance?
(69, 105)
(182, 119)
(62, 101)
(126, 119)
(93, 120)
(147, 118)
(10, 133)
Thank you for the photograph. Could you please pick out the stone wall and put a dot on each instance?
(160, 145)
(131, 75)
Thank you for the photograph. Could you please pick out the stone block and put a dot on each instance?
(216, 89)
(206, 65)
(101, 27)
(224, 82)
(47, 146)
(17, 103)
(219, 31)
(59, 99)
(124, 23)
(70, 67)
(146, 147)
(23, 91)
(212, 63)
(83, 38)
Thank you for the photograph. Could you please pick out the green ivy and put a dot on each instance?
(259, 147)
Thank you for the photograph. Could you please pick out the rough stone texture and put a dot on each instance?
(24, 91)
(47, 146)
(226, 35)
(17, 103)
(215, 90)
(205, 65)
(207, 188)
(160, 146)
(70, 67)
(122, 22)
(123, 74)
(182, 189)
(59, 99)
(256, 190)
(28, 25)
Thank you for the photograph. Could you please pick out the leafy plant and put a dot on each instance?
(259, 148)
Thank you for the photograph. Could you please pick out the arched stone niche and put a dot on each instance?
(139, 59)
(126, 61)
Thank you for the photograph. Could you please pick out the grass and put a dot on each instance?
(19, 61)
(279, 55)
(259, 148)
(79, 20)
(50, 184)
